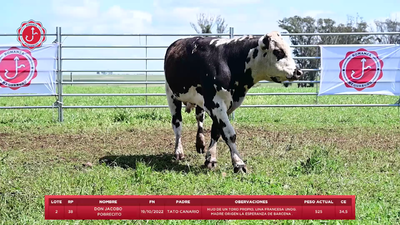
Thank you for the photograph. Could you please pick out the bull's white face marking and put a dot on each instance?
(286, 64)
(257, 65)
(263, 68)
(224, 41)
(192, 97)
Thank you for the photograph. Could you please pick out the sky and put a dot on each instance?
(166, 17)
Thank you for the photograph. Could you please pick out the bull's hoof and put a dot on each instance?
(240, 168)
(211, 164)
(179, 156)
(200, 149)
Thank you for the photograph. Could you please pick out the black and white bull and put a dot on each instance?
(214, 75)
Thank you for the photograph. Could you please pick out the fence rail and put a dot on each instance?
(61, 82)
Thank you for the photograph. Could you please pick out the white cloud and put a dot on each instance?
(263, 18)
(184, 13)
(126, 21)
(317, 13)
(226, 2)
(395, 16)
(86, 9)
(176, 15)
(167, 16)
(86, 17)
(209, 3)
(392, 16)
(259, 22)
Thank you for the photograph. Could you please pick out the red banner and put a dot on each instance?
(196, 207)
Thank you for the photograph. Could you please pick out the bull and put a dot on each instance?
(213, 75)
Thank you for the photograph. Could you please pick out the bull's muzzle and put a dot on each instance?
(297, 74)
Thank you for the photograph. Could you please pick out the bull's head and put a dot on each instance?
(281, 65)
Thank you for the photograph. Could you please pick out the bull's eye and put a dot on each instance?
(279, 54)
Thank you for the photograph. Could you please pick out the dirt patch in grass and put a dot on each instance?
(161, 141)
(347, 139)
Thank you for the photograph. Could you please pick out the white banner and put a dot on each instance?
(360, 69)
(26, 71)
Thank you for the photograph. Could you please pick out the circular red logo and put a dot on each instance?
(361, 69)
(17, 68)
(31, 34)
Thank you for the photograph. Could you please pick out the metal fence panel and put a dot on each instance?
(61, 82)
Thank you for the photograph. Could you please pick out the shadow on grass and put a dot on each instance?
(159, 162)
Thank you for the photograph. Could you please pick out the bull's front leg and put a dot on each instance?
(217, 110)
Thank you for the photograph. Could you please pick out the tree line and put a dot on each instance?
(298, 24)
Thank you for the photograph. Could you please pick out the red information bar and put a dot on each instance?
(196, 207)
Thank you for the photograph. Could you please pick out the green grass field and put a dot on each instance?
(289, 151)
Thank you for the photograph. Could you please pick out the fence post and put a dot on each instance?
(317, 78)
(146, 68)
(231, 35)
(60, 78)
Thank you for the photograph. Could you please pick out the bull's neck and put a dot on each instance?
(239, 55)
(253, 67)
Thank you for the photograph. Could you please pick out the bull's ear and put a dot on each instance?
(265, 42)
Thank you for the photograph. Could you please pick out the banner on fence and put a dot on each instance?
(26, 71)
(367, 69)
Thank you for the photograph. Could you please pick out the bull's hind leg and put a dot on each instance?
(175, 107)
(200, 140)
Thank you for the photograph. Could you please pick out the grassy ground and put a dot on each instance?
(289, 151)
